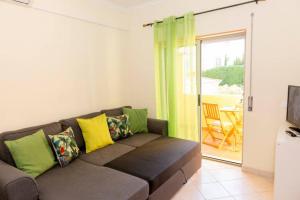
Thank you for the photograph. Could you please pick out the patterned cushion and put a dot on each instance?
(118, 127)
(65, 147)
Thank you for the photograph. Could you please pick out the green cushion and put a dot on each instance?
(32, 154)
(137, 119)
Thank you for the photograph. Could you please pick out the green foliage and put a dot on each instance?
(231, 75)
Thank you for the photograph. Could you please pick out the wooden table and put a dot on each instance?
(231, 113)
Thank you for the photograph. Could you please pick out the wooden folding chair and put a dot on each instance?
(215, 125)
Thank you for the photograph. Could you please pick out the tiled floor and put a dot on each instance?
(218, 181)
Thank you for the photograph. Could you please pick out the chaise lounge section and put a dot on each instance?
(157, 162)
(144, 166)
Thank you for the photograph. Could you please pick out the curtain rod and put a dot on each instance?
(212, 10)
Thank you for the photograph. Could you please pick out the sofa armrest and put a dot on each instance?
(158, 126)
(16, 185)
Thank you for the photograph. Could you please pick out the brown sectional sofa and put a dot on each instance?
(144, 166)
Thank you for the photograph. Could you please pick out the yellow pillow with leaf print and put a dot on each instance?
(95, 133)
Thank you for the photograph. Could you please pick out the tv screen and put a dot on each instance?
(293, 106)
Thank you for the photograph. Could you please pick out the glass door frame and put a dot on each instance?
(199, 39)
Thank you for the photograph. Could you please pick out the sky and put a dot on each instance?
(214, 52)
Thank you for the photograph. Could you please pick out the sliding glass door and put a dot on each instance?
(221, 78)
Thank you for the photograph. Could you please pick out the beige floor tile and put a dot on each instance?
(267, 196)
(253, 196)
(213, 191)
(237, 187)
(219, 181)
(229, 174)
(188, 192)
(203, 176)
(260, 184)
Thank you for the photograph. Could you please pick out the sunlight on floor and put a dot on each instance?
(219, 181)
(226, 152)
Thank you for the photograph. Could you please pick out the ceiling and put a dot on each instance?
(129, 3)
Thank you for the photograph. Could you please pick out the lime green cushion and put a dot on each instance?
(32, 154)
(137, 119)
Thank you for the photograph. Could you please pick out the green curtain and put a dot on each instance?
(175, 72)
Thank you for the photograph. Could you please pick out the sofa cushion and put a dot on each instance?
(139, 139)
(95, 133)
(157, 161)
(114, 111)
(119, 127)
(49, 129)
(81, 180)
(32, 154)
(72, 122)
(137, 119)
(106, 154)
(65, 147)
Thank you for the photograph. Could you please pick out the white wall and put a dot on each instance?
(53, 66)
(276, 62)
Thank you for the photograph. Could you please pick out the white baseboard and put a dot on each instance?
(258, 172)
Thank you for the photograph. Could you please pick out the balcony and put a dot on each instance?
(223, 140)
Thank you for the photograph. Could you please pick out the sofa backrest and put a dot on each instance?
(114, 111)
(72, 122)
(49, 129)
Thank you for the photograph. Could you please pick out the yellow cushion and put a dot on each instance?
(95, 133)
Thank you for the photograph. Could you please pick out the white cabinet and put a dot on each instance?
(287, 167)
